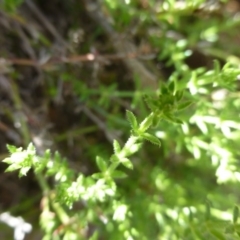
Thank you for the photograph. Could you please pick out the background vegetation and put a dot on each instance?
(121, 118)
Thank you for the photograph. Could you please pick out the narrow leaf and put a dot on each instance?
(171, 87)
(31, 147)
(118, 174)
(184, 105)
(132, 119)
(217, 67)
(8, 160)
(164, 90)
(235, 214)
(179, 95)
(172, 118)
(151, 103)
(97, 176)
(23, 171)
(116, 147)
(146, 123)
(178, 121)
(155, 121)
(208, 210)
(101, 164)
(127, 163)
(12, 168)
(12, 149)
(149, 137)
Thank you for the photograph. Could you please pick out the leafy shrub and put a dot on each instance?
(176, 176)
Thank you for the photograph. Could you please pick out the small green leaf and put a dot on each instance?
(101, 164)
(155, 121)
(178, 121)
(132, 119)
(97, 176)
(151, 103)
(118, 174)
(31, 148)
(179, 95)
(184, 105)
(167, 115)
(23, 171)
(171, 118)
(235, 214)
(12, 168)
(190, 217)
(13, 149)
(116, 147)
(164, 90)
(7, 160)
(171, 87)
(208, 210)
(151, 138)
(127, 163)
(217, 67)
(146, 123)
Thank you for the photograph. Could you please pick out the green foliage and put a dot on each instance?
(176, 175)
(10, 5)
(102, 188)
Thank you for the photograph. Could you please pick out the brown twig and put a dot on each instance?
(76, 59)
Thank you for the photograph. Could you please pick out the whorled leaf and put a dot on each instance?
(151, 103)
(178, 95)
(23, 171)
(118, 174)
(13, 149)
(101, 164)
(235, 214)
(184, 105)
(171, 87)
(116, 147)
(146, 123)
(132, 119)
(172, 118)
(127, 163)
(149, 137)
(97, 175)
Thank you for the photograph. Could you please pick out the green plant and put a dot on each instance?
(10, 5)
(177, 174)
(99, 195)
(88, 189)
